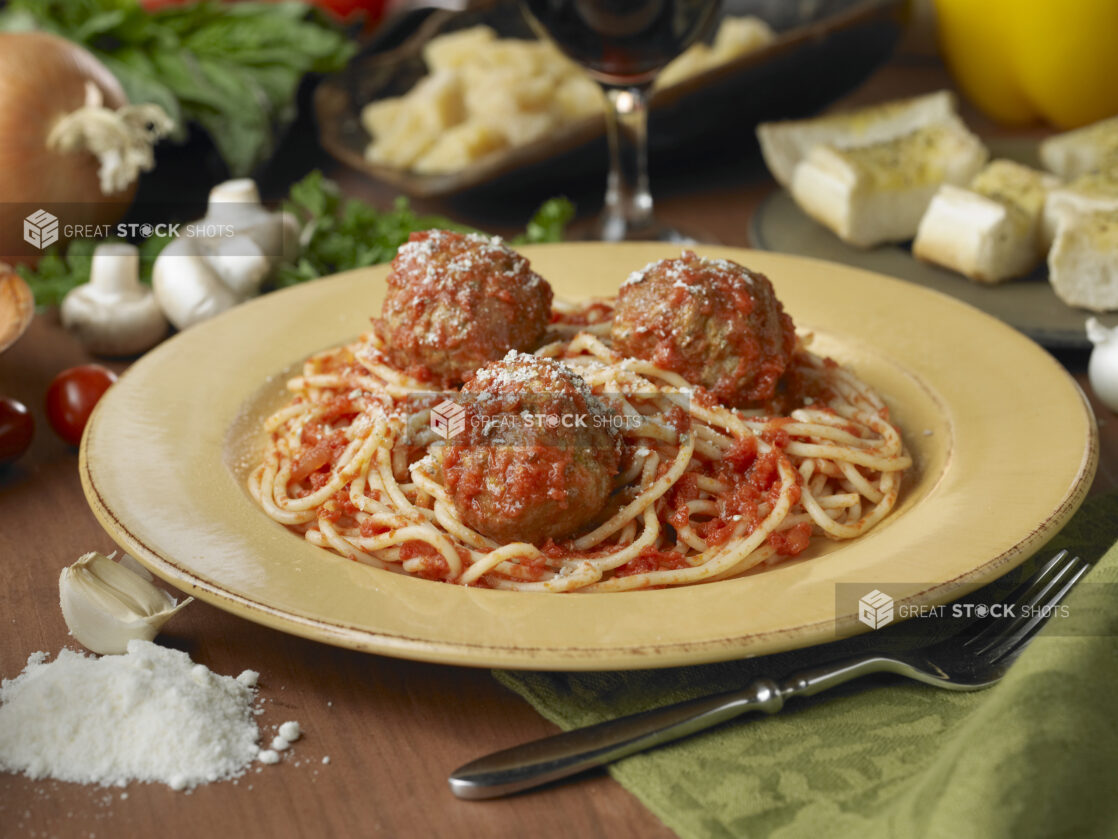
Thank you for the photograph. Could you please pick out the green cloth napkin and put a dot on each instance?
(1034, 756)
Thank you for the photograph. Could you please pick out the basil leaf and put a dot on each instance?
(136, 75)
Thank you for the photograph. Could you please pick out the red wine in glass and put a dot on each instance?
(623, 44)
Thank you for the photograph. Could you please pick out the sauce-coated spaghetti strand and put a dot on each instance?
(703, 492)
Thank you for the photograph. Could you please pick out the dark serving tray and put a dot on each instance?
(823, 49)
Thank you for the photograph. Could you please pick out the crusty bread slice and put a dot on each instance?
(989, 231)
(1083, 262)
(784, 144)
(878, 193)
(1083, 150)
(1090, 193)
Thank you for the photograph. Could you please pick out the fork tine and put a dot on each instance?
(1024, 627)
(1028, 592)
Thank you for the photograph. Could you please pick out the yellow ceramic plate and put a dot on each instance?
(1004, 443)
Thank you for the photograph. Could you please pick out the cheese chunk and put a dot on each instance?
(487, 95)
(785, 144)
(452, 51)
(878, 193)
(1083, 262)
(736, 36)
(1083, 150)
(740, 35)
(460, 146)
(578, 97)
(402, 134)
(989, 231)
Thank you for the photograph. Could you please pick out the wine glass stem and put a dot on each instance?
(628, 204)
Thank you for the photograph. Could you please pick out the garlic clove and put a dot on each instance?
(106, 604)
(129, 562)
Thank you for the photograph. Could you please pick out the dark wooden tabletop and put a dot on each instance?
(392, 729)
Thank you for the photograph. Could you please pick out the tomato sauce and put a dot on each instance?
(652, 559)
(321, 454)
(432, 565)
(753, 479)
(791, 541)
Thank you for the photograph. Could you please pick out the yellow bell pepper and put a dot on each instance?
(1026, 60)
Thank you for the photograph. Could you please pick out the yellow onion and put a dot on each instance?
(65, 123)
(17, 306)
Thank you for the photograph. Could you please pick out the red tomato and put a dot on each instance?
(342, 10)
(345, 10)
(17, 427)
(72, 396)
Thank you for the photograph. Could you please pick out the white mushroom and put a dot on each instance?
(114, 314)
(223, 258)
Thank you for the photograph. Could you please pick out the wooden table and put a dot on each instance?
(392, 729)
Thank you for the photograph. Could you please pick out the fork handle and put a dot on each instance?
(561, 755)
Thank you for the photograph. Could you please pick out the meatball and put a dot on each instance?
(538, 455)
(456, 302)
(712, 321)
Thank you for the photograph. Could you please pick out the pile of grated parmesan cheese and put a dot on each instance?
(149, 715)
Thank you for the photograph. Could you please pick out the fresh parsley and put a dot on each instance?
(344, 233)
(62, 268)
(338, 234)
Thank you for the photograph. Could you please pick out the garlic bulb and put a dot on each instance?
(106, 604)
(1102, 369)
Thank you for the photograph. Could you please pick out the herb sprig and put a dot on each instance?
(338, 234)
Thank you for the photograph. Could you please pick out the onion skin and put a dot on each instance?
(42, 78)
(17, 306)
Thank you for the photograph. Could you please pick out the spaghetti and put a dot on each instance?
(704, 492)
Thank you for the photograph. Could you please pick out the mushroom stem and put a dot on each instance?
(115, 269)
(114, 314)
(237, 191)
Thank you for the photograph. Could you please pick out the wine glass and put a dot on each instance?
(623, 44)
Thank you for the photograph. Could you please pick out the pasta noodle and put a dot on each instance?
(704, 493)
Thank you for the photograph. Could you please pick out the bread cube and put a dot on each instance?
(785, 144)
(1090, 193)
(1083, 150)
(878, 193)
(1083, 262)
(990, 230)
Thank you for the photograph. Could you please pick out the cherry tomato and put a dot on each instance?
(346, 10)
(17, 427)
(72, 396)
